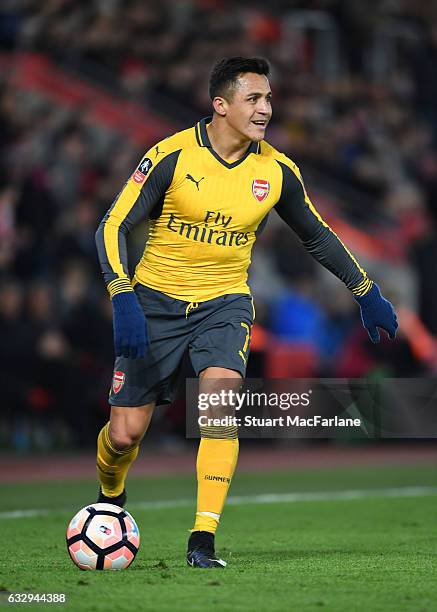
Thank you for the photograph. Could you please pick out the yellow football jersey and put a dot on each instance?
(205, 214)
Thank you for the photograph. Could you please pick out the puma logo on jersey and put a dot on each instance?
(190, 178)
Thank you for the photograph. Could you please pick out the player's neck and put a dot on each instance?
(226, 142)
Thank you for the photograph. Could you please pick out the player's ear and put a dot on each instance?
(220, 106)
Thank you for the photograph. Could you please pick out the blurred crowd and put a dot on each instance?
(355, 99)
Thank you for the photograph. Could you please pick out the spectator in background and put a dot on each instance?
(295, 315)
(15, 347)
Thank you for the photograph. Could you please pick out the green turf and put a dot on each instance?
(367, 554)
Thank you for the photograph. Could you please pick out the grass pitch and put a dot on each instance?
(336, 540)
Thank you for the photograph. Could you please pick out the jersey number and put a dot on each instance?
(243, 352)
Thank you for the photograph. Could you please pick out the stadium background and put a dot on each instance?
(87, 87)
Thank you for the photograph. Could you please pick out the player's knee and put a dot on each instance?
(127, 426)
(221, 386)
(124, 438)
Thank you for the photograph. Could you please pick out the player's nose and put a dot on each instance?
(264, 109)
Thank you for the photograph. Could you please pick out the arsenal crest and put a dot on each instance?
(260, 189)
(118, 381)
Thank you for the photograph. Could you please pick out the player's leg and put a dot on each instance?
(117, 448)
(217, 455)
(219, 351)
(216, 461)
(138, 385)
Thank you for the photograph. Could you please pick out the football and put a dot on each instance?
(102, 537)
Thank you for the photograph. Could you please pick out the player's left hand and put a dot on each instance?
(376, 312)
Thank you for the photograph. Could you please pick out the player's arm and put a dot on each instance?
(139, 198)
(297, 210)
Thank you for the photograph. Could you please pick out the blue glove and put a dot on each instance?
(376, 312)
(130, 331)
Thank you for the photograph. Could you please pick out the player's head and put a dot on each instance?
(240, 94)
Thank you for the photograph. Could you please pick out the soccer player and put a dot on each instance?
(207, 192)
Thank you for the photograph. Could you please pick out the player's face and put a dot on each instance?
(250, 108)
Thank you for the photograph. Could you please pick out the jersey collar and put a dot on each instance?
(203, 141)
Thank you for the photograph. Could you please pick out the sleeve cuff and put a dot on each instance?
(119, 285)
(363, 288)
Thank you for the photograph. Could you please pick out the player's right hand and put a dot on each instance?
(130, 330)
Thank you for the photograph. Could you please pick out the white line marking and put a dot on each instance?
(265, 498)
